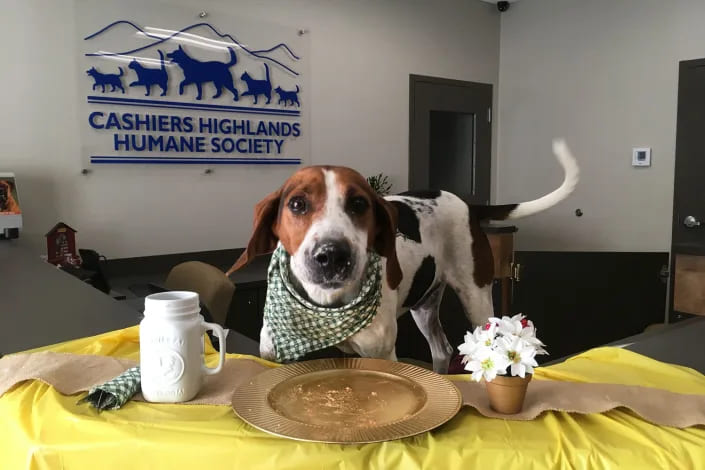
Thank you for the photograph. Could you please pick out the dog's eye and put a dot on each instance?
(298, 205)
(357, 205)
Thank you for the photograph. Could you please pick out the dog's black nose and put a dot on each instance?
(332, 257)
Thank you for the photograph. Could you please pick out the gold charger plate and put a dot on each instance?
(350, 400)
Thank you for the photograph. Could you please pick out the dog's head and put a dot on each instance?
(326, 218)
(134, 64)
(278, 89)
(92, 71)
(178, 55)
(246, 77)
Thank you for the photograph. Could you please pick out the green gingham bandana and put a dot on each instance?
(114, 393)
(298, 327)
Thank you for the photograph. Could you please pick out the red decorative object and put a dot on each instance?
(61, 246)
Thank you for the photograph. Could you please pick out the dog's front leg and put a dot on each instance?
(266, 345)
(378, 339)
(200, 90)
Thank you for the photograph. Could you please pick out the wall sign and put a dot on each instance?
(161, 85)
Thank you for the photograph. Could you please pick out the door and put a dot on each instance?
(450, 142)
(450, 136)
(688, 236)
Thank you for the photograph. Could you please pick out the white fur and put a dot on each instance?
(570, 180)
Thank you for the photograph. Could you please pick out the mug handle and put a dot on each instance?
(218, 330)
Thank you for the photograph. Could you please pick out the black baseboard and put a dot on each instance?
(121, 267)
(577, 300)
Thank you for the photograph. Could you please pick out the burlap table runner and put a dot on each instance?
(72, 373)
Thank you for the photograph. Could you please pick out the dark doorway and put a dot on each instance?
(450, 136)
(688, 239)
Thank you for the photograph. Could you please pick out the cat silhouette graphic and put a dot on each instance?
(258, 87)
(198, 72)
(147, 77)
(102, 79)
(288, 95)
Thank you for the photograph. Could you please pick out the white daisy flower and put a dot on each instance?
(486, 363)
(519, 354)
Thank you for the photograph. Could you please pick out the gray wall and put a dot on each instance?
(603, 74)
(362, 53)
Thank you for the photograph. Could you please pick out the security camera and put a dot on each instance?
(502, 5)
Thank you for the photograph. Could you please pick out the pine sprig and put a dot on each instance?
(380, 183)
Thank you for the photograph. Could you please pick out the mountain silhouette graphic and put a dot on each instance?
(159, 40)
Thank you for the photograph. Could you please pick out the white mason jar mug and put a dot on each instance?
(171, 347)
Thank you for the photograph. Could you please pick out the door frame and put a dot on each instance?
(683, 65)
(417, 79)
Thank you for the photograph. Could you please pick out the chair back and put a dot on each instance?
(214, 288)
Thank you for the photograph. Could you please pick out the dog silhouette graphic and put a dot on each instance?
(102, 79)
(287, 96)
(258, 87)
(147, 77)
(198, 72)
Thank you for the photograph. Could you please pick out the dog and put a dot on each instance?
(288, 95)
(258, 87)
(8, 204)
(102, 79)
(147, 77)
(327, 218)
(198, 72)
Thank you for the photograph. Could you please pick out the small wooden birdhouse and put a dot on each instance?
(61, 245)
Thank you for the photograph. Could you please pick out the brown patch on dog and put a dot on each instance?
(483, 273)
(273, 222)
(291, 228)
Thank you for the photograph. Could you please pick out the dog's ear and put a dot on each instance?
(385, 240)
(263, 239)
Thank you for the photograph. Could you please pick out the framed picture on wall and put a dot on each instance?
(9, 202)
(10, 212)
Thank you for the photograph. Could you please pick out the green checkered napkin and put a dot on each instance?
(298, 326)
(114, 393)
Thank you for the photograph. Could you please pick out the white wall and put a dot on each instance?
(362, 53)
(603, 74)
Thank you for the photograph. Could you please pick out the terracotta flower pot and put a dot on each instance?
(507, 393)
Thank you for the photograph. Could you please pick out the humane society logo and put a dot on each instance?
(252, 115)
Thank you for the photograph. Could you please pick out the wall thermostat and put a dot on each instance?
(641, 156)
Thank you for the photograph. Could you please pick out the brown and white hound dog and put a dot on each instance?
(327, 218)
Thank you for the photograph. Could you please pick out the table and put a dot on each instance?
(41, 305)
(679, 343)
(43, 429)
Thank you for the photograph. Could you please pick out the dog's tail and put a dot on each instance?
(161, 56)
(297, 88)
(515, 211)
(266, 73)
(233, 57)
(121, 72)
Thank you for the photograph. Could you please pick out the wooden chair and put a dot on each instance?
(214, 289)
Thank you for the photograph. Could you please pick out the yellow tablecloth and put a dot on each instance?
(42, 429)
